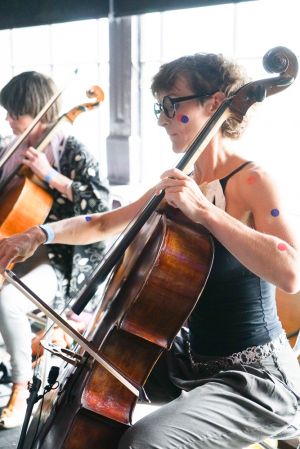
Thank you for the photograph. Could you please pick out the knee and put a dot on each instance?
(143, 434)
(10, 306)
(129, 439)
(7, 305)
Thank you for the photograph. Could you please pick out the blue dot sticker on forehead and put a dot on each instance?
(274, 212)
(88, 218)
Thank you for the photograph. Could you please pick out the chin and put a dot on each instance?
(177, 149)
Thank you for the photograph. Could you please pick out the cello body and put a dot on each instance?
(145, 304)
(23, 204)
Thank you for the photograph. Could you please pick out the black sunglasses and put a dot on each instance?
(168, 104)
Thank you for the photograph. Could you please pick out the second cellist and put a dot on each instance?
(71, 175)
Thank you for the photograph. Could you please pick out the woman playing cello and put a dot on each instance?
(71, 174)
(231, 378)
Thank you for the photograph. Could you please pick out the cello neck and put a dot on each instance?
(117, 250)
(21, 169)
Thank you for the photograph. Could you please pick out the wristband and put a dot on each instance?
(49, 233)
(50, 175)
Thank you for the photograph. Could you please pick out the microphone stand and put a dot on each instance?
(33, 398)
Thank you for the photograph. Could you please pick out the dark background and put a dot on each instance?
(22, 13)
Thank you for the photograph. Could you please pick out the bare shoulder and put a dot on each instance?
(257, 186)
(251, 174)
(250, 189)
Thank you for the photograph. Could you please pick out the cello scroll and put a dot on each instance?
(277, 60)
(94, 92)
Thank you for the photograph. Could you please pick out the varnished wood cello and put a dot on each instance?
(159, 270)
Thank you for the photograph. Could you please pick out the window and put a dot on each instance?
(243, 31)
(57, 50)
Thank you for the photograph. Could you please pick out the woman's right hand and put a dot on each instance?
(37, 162)
(19, 247)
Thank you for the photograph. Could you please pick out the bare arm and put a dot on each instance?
(270, 249)
(86, 229)
(40, 165)
(78, 230)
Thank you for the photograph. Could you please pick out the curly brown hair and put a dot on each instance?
(205, 73)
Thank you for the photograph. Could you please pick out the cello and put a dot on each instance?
(93, 407)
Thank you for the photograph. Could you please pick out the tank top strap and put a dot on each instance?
(224, 181)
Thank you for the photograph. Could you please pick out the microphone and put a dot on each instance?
(52, 377)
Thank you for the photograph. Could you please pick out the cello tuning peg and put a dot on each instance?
(260, 93)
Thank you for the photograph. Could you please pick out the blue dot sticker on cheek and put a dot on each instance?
(274, 212)
(88, 218)
(184, 119)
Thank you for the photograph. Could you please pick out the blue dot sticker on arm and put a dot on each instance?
(274, 212)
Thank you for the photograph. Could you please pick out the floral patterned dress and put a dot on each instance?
(74, 264)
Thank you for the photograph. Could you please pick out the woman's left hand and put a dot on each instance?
(182, 192)
(37, 162)
(19, 247)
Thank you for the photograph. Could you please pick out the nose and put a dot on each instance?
(9, 118)
(162, 119)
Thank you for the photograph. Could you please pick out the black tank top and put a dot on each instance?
(236, 310)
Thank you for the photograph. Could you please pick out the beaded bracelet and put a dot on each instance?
(49, 233)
